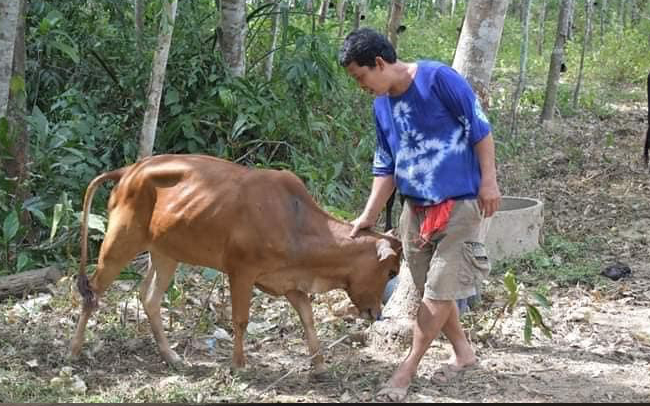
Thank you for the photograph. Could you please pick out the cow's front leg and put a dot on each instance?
(240, 291)
(300, 301)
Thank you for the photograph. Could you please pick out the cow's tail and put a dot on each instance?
(82, 278)
(647, 136)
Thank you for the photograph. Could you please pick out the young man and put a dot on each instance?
(434, 144)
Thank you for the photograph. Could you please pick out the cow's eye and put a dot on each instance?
(392, 274)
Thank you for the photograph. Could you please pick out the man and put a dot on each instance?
(434, 144)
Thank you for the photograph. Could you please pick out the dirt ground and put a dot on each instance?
(589, 174)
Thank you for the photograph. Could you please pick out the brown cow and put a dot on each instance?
(260, 227)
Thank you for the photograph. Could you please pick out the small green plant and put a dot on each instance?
(518, 294)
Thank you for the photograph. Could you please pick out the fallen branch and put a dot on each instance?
(19, 285)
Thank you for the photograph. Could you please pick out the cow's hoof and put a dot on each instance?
(73, 357)
(175, 361)
(319, 376)
(243, 373)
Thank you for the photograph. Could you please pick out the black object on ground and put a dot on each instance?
(616, 271)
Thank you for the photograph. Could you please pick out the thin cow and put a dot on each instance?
(260, 227)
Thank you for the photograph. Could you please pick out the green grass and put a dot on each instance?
(558, 261)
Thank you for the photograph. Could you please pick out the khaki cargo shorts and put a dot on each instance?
(452, 265)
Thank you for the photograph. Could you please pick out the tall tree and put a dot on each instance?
(340, 13)
(15, 164)
(150, 122)
(523, 59)
(275, 33)
(234, 27)
(440, 6)
(360, 11)
(603, 20)
(557, 56)
(622, 13)
(139, 22)
(479, 42)
(569, 30)
(585, 41)
(540, 34)
(322, 12)
(9, 12)
(396, 13)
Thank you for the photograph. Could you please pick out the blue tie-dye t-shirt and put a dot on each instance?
(425, 136)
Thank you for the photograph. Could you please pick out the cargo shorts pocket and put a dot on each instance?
(476, 256)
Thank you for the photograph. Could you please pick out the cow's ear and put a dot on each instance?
(392, 233)
(384, 250)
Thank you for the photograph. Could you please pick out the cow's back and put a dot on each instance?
(206, 211)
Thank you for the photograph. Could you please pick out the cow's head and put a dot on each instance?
(375, 267)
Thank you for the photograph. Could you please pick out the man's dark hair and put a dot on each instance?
(363, 46)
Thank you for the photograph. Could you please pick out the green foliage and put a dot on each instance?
(558, 261)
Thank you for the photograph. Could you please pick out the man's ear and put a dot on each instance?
(379, 62)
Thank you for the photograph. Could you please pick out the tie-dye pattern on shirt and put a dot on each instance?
(425, 136)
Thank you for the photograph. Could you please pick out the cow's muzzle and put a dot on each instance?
(371, 314)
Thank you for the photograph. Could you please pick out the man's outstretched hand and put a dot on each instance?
(360, 223)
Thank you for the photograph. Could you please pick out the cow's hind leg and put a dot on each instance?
(118, 248)
(153, 287)
(300, 301)
(241, 289)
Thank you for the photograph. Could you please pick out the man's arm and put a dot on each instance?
(382, 187)
(489, 196)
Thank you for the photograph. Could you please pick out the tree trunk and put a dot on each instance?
(556, 61)
(275, 31)
(585, 42)
(440, 6)
(512, 8)
(322, 13)
(396, 326)
(357, 17)
(23, 283)
(452, 11)
(361, 11)
(150, 122)
(139, 23)
(396, 13)
(603, 20)
(622, 13)
(523, 59)
(15, 166)
(540, 35)
(340, 13)
(233, 27)
(388, 16)
(569, 31)
(9, 12)
(478, 44)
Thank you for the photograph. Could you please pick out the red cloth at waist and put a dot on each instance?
(436, 218)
